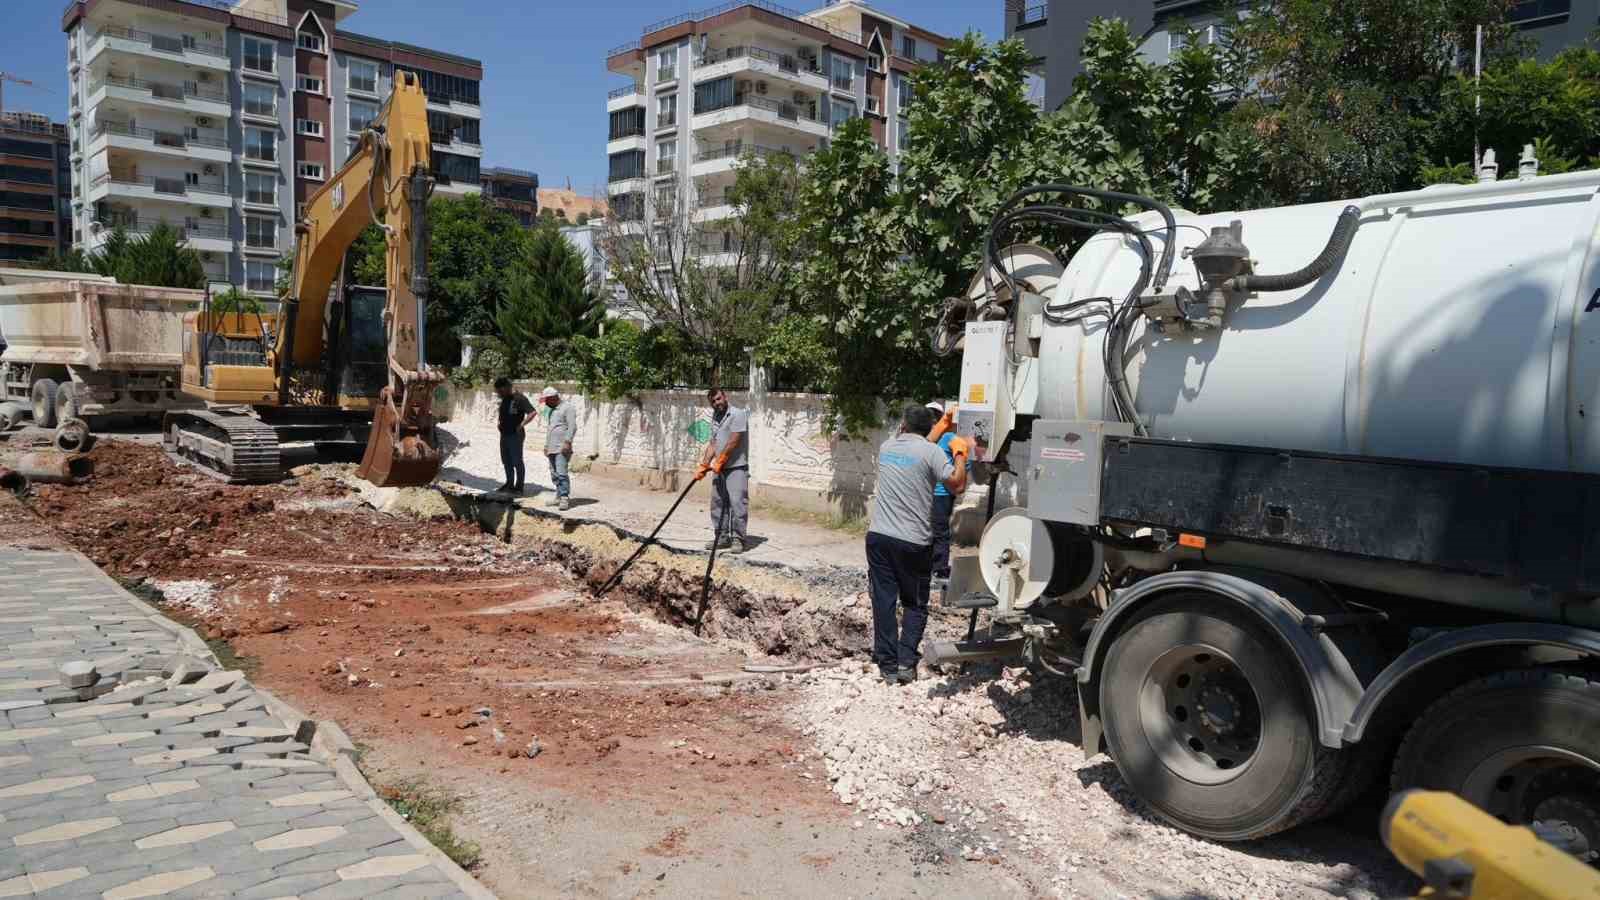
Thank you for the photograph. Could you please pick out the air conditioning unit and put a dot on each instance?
(204, 76)
(202, 121)
(209, 169)
(761, 87)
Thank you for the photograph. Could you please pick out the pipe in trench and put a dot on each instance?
(55, 467)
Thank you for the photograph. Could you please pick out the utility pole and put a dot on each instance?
(1477, 95)
(5, 77)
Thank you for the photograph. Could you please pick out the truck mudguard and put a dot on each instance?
(1455, 643)
(1335, 689)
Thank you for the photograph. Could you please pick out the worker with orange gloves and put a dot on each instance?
(727, 455)
(944, 502)
(900, 538)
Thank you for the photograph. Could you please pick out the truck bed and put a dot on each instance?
(100, 326)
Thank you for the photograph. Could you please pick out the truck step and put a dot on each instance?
(972, 651)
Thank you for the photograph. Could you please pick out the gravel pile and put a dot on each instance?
(989, 764)
(199, 597)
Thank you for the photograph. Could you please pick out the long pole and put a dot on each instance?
(1477, 96)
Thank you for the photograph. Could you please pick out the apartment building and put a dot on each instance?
(1056, 40)
(514, 190)
(707, 88)
(35, 187)
(222, 118)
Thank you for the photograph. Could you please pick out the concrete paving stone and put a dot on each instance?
(322, 861)
(187, 711)
(25, 685)
(154, 790)
(44, 786)
(231, 808)
(359, 890)
(302, 837)
(42, 663)
(363, 839)
(118, 857)
(18, 735)
(271, 762)
(225, 884)
(170, 756)
(15, 759)
(262, 830)
(95, 709)
(279, 819)
(274, 749)
(160, 883)
(114, 739)
(168, 809)
(260, 733)
(420, 891)
(134, 694)
(125, 834)
(10, 705)
(384, 867)
(288, 885)
(311, 798)
(65, 831)
(36, 882)
(185, 834)
(210, 765)
(218, 682)
(206, 731)
(344, 816)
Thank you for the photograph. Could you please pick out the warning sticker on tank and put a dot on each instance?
(1062, 453)
(975, 393)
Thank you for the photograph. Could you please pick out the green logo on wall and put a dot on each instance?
(700, 430)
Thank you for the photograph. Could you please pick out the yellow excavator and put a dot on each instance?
(338, 367)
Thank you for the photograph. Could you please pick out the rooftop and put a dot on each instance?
(409, 48)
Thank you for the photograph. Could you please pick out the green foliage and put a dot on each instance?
(368, 260)
(159, 258)
(428, 808)
(548, 299)
(627, 359)
(472, 244)
(74, 260)
(1555, 106)
(235, 300)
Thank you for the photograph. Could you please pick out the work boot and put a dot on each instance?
(564, 503)
(739, 545)
(890, 675)
(514, 490)
(553, 501)
(905, 676)
(722, 544)
(502, 489)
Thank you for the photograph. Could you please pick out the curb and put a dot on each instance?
(324, 737)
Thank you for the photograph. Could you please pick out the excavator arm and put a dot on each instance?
(387, 172)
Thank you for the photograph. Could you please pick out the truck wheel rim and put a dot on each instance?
(1200, 714)
(1549, 786)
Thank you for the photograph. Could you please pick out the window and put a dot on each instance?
(667, 65)
(844, 72)
(259, 56)
(903, 93)
(666, 156)
(192, 179)
(312, 171)
(260, 276)
(450, 168)
(261, 232)
(309, 83)
(260, 100)
(714, 95)
(872, 104)
(260, 188)
(310, 42)
(903, 135)
(260, 144)
(627, 164)
(1528, 10)
(308, 126)
(666, 110)
(1033, 88)
(627, 123)
(666, 199)
(361, 115)
(874, 62)
(842, 112)
(447, 88)
(363, 76)
(908, 46)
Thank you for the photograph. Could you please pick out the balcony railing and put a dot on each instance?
(1032, 14)
(228, 6)
(666, 74)
(162, 42)
(666, 166)
(738, 149)
(767, 5)
(629, 176)
(784, 62)
(161, 90)
(843, 82)
(626, 91)
(173, 139)
(174, 186)
(666, 119)
(788, 111)
(446, 138)
(185, 232)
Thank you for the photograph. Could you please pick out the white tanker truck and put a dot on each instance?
(1290, 534)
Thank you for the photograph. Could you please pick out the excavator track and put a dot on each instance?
(234, 447)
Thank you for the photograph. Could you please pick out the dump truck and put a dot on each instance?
(1301, 501)
(84, 346)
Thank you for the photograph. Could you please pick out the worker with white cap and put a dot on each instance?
(944, 502)
(562, 425)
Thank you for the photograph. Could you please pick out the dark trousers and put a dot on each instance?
(897, 575)
(943, 506)
(511, 458)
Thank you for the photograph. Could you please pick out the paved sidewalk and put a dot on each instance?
(166, 777)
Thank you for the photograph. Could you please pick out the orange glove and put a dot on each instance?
(700, 472)
(721, 462)
(946, 423)
(960, 448)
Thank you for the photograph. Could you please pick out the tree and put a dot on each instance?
(235, 300)
(714, 284)
(548, 300)
(74, 260)
(472, 245)
(159, 258)
(368, 260)
(1340, 95)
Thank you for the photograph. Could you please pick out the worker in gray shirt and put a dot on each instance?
(562, 424)
(900, 538)
(728, 455)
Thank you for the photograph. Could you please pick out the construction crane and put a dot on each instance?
(337, 368)
(5, 77)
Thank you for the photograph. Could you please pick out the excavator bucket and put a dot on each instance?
(397, 455)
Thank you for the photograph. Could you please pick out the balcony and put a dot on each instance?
(716, 160)
(451, 143)
(197, 144)
(750, 107)
(666, 166)
(761, 61)
(455, 105)
(623, 97)
(667, 120)
(626, 142)
(158, 46)
(185, 97)
(212, 237)
(212, 192)
(626, 184)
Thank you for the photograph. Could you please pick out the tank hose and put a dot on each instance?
(1344, 231)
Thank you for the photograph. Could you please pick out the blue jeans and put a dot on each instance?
(897, 576)
(511, 458)
(558, 473)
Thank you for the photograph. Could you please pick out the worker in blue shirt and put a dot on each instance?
(944, 502)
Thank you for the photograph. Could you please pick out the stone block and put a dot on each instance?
(78, 673)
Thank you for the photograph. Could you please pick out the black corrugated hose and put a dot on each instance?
(1344, 231)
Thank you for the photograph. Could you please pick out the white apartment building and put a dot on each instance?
(705, 89)
(221, 118)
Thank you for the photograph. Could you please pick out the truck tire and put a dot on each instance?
(67, 406)
(44, 403)
(1210, 721)
(1524, 745)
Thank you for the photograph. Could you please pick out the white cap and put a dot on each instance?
(935, 405)
(549, 392)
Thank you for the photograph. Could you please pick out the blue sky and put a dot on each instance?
(544, 80)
